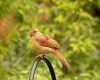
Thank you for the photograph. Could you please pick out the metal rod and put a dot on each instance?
(37, 61)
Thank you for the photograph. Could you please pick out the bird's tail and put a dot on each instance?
(64, 62)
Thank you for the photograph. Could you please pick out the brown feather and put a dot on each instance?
(62, 59)
(48, 42)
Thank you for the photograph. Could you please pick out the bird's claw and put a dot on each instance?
(41, 56)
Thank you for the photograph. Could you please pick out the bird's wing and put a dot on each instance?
(48, 42)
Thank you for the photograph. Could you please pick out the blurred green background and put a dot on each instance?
(75, 24)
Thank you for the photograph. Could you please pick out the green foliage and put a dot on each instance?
(73, 23)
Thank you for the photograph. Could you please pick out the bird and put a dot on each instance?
(43, 44)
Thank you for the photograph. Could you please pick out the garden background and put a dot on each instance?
(75, 24)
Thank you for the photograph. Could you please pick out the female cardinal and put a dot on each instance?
(43, 44)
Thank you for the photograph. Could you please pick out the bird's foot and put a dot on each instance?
(41, 56)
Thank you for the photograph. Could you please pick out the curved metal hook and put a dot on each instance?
(46, 60)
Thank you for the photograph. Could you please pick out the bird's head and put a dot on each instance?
(33, 31)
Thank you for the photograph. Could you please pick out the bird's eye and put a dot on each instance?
(34, 31)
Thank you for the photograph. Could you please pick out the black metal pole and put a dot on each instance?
(46, 60)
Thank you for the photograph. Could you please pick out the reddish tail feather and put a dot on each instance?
(64, 62)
